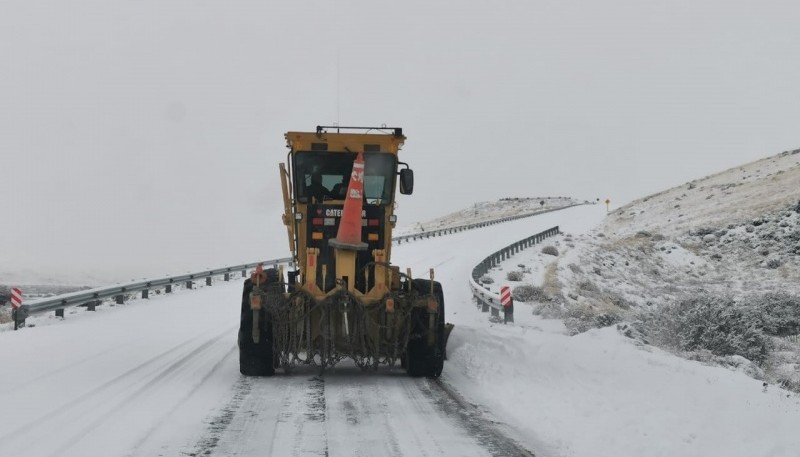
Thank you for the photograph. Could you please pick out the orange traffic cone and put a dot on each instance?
(349, 234)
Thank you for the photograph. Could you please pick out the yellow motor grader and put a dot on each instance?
(343, 298)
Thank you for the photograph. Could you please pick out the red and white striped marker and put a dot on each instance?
(16, 298)
(505, 296)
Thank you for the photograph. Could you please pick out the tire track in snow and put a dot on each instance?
(220, 423)
(279, 415)
(79, 417)
(311, 437)
(422, 408)
(182, 401)
(349, 413)
(54, 413)
(359, 418)
(46, 376)
(485, 430)
(172, 370)
(388, 413)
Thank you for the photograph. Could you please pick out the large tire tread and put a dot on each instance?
(422, 360)
(255, 359)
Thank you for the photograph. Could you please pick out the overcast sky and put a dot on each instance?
(140, 138)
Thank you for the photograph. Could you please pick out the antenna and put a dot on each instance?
(337, 88)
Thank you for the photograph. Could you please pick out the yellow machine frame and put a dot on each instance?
(386, 277)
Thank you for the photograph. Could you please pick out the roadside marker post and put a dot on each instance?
(508, 304)
(16, 304)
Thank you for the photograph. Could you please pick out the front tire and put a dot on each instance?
(422, 359)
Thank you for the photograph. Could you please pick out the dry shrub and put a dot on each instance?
(515, 275)
(550, 250)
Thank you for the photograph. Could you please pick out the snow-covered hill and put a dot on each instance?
(709, 270)
(737, 231)
(489, 211)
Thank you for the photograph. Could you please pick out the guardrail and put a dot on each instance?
(91, 298)
(486, 299)
(459, 228)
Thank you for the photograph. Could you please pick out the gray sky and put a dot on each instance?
(142, 138)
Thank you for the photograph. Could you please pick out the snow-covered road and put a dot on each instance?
(348, 413)
(160, 377)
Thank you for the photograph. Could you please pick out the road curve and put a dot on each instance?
(159, 377)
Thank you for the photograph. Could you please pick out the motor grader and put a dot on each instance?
(342, 298)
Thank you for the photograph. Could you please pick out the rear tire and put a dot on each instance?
(421, 359)
(255, 359)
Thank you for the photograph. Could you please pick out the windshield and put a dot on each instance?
(323, 175)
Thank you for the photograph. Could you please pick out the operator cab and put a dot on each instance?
(325, 175)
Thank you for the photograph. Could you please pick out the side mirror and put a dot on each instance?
(406, 181)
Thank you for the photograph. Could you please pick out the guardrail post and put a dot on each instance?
(189, 284)
(484, 307)
(244, 273)
(208, 281)
(120, 299)
(495, 312)
(508, 314)
(145, 293)
(168, 289)
(19, 315)
(91, 305)
(227, 276)
(60, 312)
